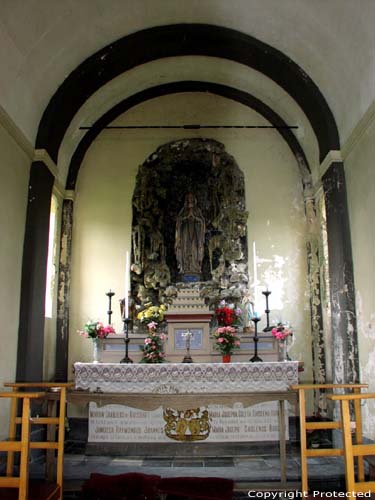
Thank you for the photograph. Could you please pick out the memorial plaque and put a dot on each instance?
(215, 423)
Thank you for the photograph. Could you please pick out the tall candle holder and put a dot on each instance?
(126, 358)
(110, 294)
(268, 328)
(255, 358)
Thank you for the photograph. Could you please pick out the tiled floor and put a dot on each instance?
(326, 474)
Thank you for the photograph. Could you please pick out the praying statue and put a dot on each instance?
(248, 306)
(190, 233)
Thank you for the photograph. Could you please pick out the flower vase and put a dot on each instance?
(283, 351)
(95, 350)
(226, 358)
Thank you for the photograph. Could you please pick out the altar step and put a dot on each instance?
(176, 451)
(261, 473)
(254, 465)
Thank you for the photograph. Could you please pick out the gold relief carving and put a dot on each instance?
(187, 425)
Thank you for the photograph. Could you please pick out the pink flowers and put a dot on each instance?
(96, 330)
(282, 331)
(226, 339)
(153, 345)
(226, 329)
(106, 330)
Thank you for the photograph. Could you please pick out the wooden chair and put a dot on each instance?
(354, 450)
(19, 481)
(54, 398)
(306, 426)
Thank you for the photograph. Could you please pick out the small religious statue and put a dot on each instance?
(187, 357)
(248, 306)
(190, 233)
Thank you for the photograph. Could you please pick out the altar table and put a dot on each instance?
(186, 386)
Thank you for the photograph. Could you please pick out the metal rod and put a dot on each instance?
(192, 127)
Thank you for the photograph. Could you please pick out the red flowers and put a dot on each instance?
(227, 316)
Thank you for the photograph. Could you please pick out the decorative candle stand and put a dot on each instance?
(110, 294)
(187, 357)
(255, 358)
(126, 358)
(268, 328)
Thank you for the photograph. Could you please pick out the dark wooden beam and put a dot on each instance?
(184, 40)
(34, 271)
(345, 361)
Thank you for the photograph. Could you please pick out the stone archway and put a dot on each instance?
(204, 168)
(153, 44)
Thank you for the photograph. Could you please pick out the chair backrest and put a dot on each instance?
(22, 445)
(54, 397)
(355, 450)
(306, 426)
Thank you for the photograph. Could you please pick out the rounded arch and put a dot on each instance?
(189, 86)
(193, 39)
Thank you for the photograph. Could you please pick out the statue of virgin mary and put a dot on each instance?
(190, 233)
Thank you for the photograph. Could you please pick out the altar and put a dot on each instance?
(180, 402)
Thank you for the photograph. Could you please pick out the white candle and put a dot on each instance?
(127, 271)
(255, 275)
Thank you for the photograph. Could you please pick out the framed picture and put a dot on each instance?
(196, 338)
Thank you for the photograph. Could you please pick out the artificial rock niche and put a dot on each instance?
(200, 174)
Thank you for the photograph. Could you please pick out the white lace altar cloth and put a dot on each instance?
(180, 378)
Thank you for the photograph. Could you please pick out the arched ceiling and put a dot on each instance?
(214, 74)
(44, 41)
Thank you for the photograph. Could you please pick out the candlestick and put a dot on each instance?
(110, 294)
(127, 271)
(126, 358)
(268, 328)
(255, 358)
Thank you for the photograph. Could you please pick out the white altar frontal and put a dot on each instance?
(186, 378)
(183, 402)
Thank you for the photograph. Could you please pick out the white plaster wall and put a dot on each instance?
(102, 211)
(14, 175)
(360, 177)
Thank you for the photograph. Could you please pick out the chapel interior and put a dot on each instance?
(184, 157)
